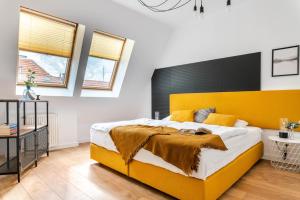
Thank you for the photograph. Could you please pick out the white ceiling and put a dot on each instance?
(182, 15)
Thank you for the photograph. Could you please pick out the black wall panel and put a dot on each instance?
(238, 73)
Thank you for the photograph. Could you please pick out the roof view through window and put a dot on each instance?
(98, 72)
(49, 69)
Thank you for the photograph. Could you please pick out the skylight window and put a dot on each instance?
(103, 61)
(46, 46)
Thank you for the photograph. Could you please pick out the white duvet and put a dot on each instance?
(237, 140)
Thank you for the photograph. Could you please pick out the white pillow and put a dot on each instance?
(167, 118)
(225, 132)
(241, 123)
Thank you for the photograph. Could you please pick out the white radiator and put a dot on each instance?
(53, 126)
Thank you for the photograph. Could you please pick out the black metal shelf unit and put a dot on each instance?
(25, 147)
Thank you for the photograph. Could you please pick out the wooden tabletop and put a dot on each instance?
(23, 131)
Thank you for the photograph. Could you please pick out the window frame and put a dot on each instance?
(116, 67)
(69, 64)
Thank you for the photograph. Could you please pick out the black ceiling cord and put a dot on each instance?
(158, 5)
(155, 8)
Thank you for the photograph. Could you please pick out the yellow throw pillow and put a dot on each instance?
(220, 119)
(183, 116)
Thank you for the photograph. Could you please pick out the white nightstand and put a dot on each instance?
(285, 153)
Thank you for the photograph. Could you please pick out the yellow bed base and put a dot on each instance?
(177, 185)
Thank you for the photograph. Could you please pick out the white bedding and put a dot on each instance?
(237, 140)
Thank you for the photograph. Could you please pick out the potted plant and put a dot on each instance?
(291, 126)
(28, 93)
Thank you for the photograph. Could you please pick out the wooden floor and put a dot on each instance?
(70, 174)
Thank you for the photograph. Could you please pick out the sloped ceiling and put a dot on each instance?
(182, 15)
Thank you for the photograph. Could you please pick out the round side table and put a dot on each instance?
(285, 153)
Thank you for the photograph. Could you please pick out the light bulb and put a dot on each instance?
(201, 9)
(228, 3)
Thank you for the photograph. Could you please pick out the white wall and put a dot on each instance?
(76, 114)
(250, 26)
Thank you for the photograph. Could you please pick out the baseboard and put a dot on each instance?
(63, 146)
(266, 157)
(84, 140)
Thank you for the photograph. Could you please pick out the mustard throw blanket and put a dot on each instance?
(171, 145)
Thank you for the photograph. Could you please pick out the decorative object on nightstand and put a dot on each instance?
(285, 153)
(291, 126)
(283, 133)
(287, 128)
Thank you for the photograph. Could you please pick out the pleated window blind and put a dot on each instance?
(45, 34)
(105, 53)
(46, 40)
(106, 46)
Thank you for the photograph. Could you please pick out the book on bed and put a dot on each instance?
(199, 131)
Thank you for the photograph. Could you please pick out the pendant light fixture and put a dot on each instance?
(169, 5)
(195, 6)
(201, 8)
(228, 2)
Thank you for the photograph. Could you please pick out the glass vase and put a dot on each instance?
(291, 134)
(28, 94)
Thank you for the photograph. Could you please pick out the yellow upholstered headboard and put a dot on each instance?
(260, 108)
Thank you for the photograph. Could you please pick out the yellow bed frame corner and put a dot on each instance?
(108, 158)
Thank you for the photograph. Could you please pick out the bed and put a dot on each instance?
(218, 170)
(146, 165)
(211, 160)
